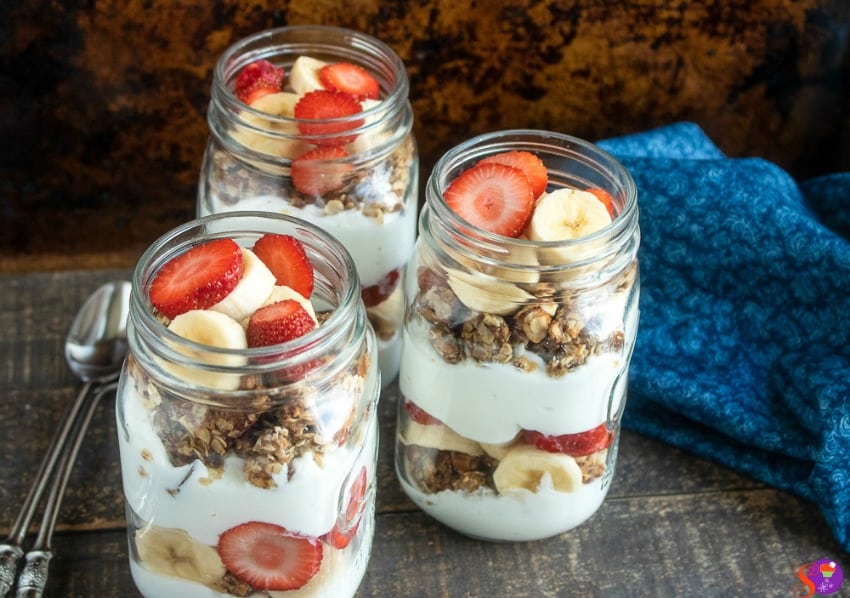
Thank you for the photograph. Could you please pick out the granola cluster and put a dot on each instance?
(268, 434)
(375, 192)
(561, 333)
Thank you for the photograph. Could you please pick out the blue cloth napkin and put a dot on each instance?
(743, 350)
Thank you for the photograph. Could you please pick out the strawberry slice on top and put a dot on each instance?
(527, 162)
(333, 111)
(580, 444)
(268, 557)
(278, 323)
(287, 259)
(492, 196)
(318, 171)
(258, 79)
(198, 278)
(350, 78)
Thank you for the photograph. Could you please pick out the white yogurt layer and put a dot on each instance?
(377, 248)
(491, 402)
(188, 498)
(518, 515)
(340, 575)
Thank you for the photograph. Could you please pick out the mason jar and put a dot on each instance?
(516, 351)
(237, 462)
(355, 175)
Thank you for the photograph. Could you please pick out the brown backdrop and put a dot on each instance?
(103, 102)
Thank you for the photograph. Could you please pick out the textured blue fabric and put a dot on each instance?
(743, 352)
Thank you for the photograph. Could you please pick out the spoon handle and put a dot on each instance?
(33, 577)
(11, 551)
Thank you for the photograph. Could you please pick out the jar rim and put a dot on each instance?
(472, 240)
(340, 325)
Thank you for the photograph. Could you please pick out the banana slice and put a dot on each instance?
(566, 214)
(304, 75)
(270, 136)
(483, 294)
(283, 292)
(251, 292)
(281, 103)
(371, 137)
(498, 451)
(440, 437)
(209, 328)
(527, 467)
(389, 313)
(174, 552)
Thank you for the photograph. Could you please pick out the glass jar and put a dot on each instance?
(265, 446)
(515, 353)
(365, 195)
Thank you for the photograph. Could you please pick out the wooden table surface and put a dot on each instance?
(672, 525)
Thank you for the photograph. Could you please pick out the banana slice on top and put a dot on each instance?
(566, 214)
(251, 291)
(304, 75)
(526, 467)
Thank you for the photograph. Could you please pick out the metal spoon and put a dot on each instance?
(94, 350)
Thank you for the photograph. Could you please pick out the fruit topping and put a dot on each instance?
(258, 79)
(349, 78)
(317, 171)
(528, 163)
(605, 198)
(567, 214)
(268, 557)
(198, 278)
(251, 291)
(575, 445)
(378, 293)
(287, 259)
(321, 105)
(493, 197)
(341, 536)
(278, 323)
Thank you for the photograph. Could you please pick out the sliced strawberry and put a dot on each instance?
(340, 537)
(258, 79)
(494, 197)
(419, 415)
(323, 104)
(285, 256)
(267, 557)
(198, 278)
(278, 323)
(576, 445)
(605, 198)
(317, 171)
(377, 293)
(527, 162)
(350, 78)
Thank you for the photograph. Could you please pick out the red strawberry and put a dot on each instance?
(527, 162)
(350, 78)
(324, 104)
(267, 557)
(277, 323)
(258, 79)
(495, 197)
(198, 278)
(317, 171)
(605, 198)
(576, 445)
(419, 415)
(340, 537)
(285, 256)
(377, 293)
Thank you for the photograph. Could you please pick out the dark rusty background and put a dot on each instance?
(103, 102)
